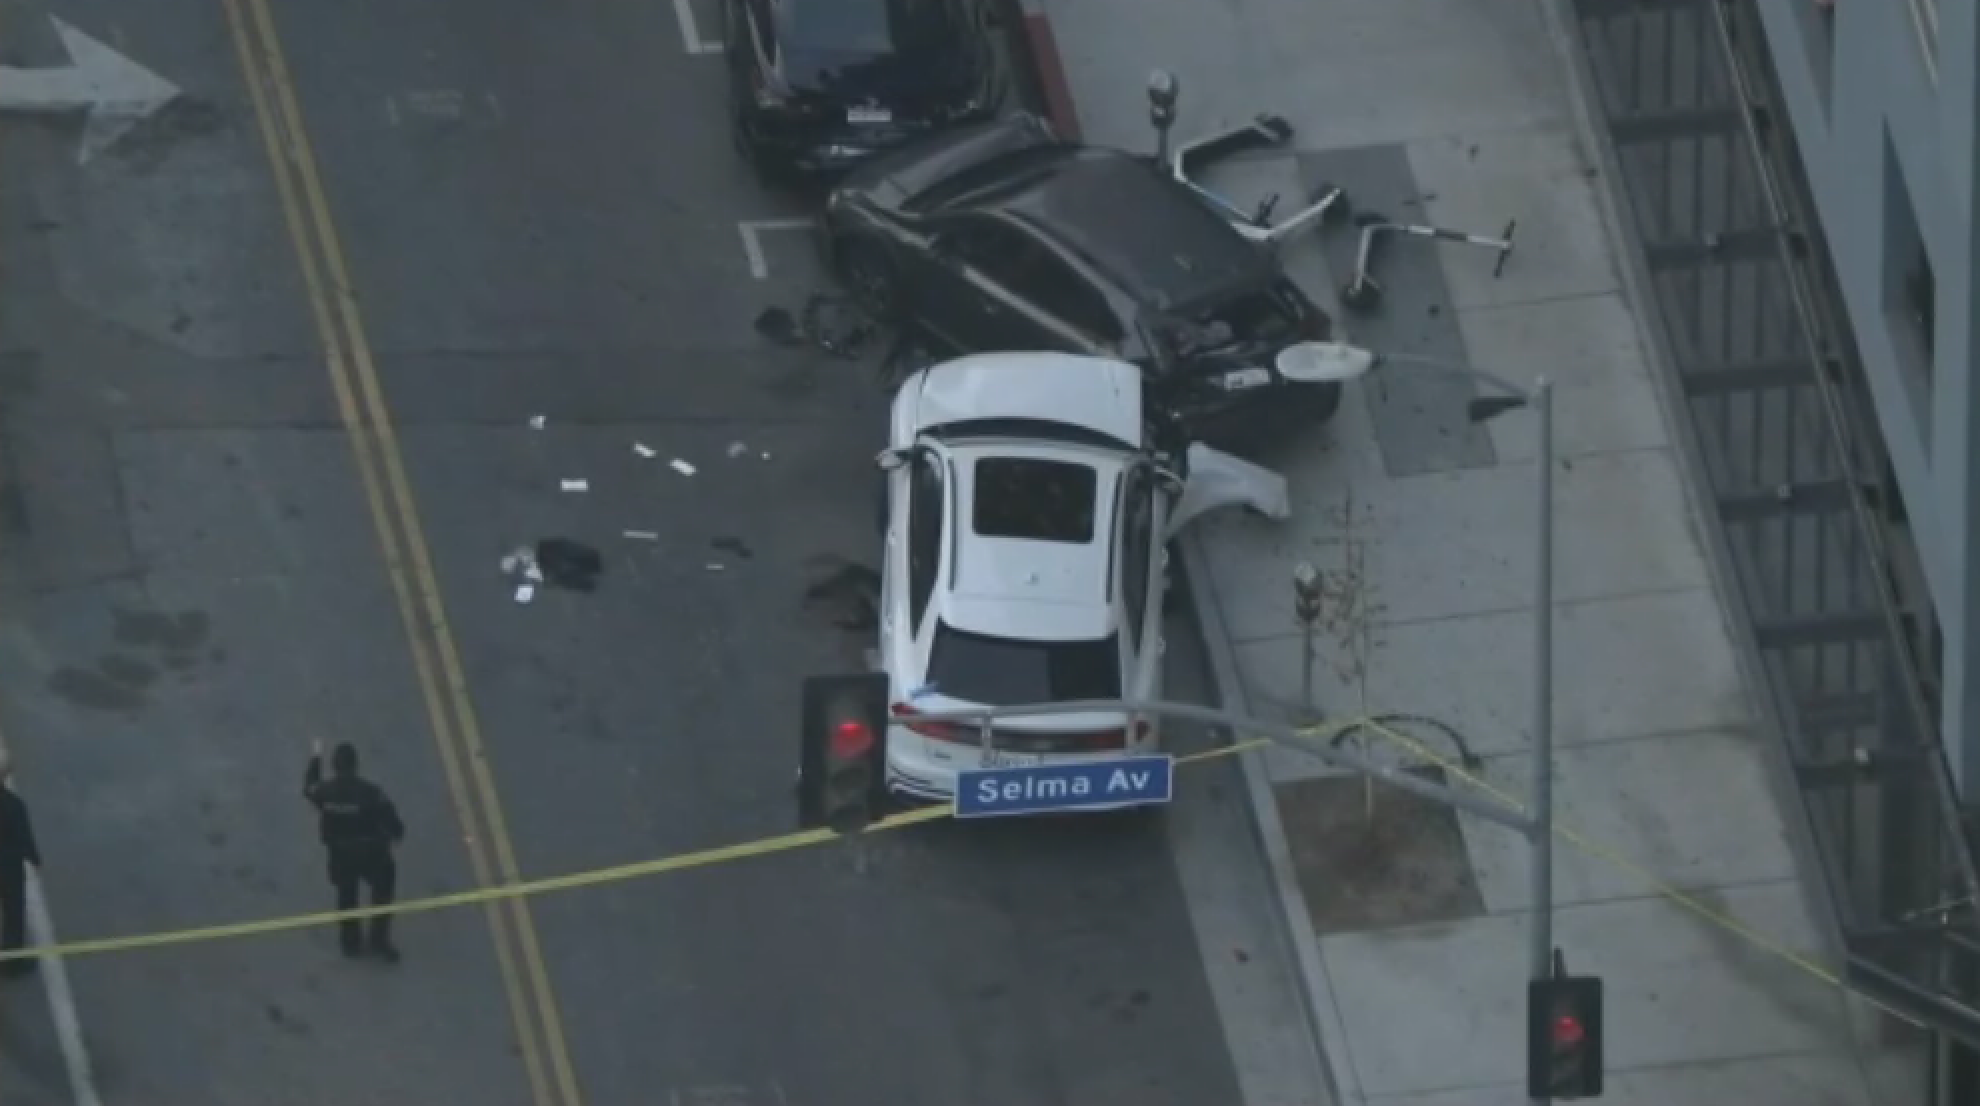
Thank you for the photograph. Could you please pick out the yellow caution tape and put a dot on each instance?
(615, 874)
(786, 842)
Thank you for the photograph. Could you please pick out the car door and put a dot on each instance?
(962, 299)
(918, 495)
(1138, 553)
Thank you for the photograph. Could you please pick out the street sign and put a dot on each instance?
(1075, 785)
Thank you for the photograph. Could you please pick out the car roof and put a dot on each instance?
(1030, 589)
(1093, 393)
(1149, 234)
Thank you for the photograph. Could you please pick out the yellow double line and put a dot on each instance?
(361, 405)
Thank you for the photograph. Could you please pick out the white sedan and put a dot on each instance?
(1027, 520)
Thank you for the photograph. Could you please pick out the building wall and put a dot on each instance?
(1881, 95)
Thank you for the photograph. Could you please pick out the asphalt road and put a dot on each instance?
(535, 212)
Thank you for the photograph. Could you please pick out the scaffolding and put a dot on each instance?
(1808, 520)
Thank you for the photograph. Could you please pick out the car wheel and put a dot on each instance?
(869, 277)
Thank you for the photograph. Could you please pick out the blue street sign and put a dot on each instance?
(1078, 785)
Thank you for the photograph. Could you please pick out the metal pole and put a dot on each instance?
(1542, 831)
(1482, 806)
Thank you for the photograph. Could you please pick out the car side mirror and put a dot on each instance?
(890, 460)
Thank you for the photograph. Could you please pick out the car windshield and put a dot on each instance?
(1035, 500)
(824, 34)
(1003, 672)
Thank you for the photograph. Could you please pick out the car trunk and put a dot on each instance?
(969, 670)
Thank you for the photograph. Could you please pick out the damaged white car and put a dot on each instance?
(1027, 513)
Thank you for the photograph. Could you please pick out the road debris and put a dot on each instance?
(778, 325)
(536, 422)
(645, 450)
(569, 564)
(554, 562)
(832, 323)
(642, 535)
(715, 566)
(838, 327)
(682, 467)
(737, 449)
(846, 591)
(576, 485)
(521, 566)
(733, 546)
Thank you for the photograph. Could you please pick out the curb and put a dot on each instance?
(1316, 990)
(1048, 89)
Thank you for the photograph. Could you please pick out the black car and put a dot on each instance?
(816, 86)
(1002, 237)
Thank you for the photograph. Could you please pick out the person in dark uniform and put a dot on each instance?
(17, 851)
(359, 827)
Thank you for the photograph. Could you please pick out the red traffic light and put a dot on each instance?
(851, 739)
(1564, 1037)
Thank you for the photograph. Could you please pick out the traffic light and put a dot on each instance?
(838, 776)
(1564, 1037)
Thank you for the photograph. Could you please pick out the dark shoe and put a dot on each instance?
(386, 951)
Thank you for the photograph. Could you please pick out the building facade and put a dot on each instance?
(1881, 97)
(1798, 178)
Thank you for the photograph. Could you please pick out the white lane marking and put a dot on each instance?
(691, 39)
(752, 232)
(61, 1001)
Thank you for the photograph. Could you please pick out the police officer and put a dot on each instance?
(17, 851)
(359, 827)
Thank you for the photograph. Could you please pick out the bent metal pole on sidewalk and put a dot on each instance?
(1470, 802)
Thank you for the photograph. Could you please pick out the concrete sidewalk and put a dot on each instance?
(1411, 920)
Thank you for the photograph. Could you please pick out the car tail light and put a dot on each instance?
(1024, 741)
(928, 728)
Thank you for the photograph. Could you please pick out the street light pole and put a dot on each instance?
(1337, 361)
(1541, 831)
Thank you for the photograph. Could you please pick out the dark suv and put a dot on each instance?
(1002, 237)
(816, 86)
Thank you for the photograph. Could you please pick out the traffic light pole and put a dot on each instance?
(1541, 830)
